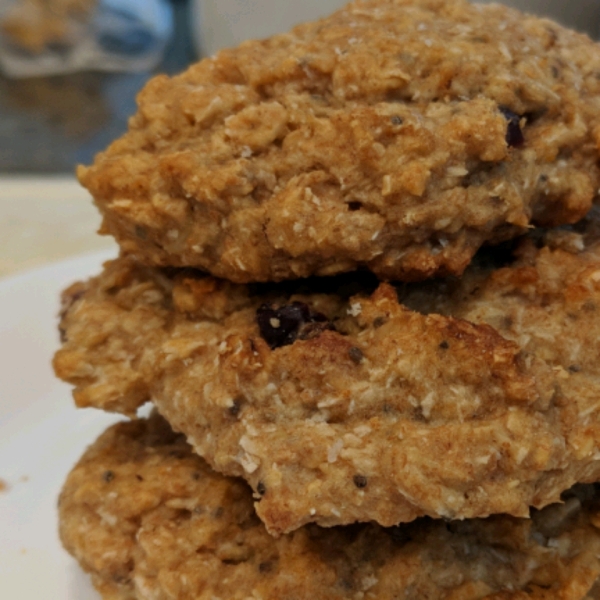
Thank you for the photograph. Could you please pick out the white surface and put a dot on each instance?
(44, 219)
(41, 435)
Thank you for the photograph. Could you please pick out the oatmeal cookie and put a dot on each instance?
(398, 135)
(148, 519)
(338, 405)
(36, 25)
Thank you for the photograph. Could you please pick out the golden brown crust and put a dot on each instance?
(148, 519)
(374, 137)
(392, 415)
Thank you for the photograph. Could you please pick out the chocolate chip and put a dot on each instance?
(261, 488)
(514, 135)
(397, 120)
(354, 206)
(108, 476)
(356, 355)
(444, 345)
(360, 481)
(283, 325)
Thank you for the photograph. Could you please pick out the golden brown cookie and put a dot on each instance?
(338, 405)
(149, 520)
(36, 25)
(399, 135)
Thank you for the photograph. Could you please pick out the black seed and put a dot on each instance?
(234, 409)
(265, 567)
(108, 476)
(354, 206)
(543, 178)
(378, 322)
(360, 481)
(196, 476)
(140, 232)
(397, 120)
(574, 368)
(356, 355)
(139, 478)
(444, 345)
(261, 488)
(283, 325)
(514, 135)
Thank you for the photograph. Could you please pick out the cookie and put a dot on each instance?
(147, 518)
(340, 405)
(397, 135)
(35, 26)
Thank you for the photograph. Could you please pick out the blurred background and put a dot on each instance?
(69, 74)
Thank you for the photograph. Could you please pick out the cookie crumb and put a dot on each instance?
(3, 486)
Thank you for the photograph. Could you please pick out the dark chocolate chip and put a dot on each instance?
(360, 481)
(283, 325)
(108, 476)
(356, 355)
(444, 345)
(514, 135)
(261, 488)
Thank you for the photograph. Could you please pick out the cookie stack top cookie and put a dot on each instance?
(399, 136)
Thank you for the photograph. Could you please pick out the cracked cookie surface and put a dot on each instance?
(397, 135)
(338, 403)
(148, 519)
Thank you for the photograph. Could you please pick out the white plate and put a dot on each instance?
(41, 436)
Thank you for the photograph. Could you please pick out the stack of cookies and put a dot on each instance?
(360, 284)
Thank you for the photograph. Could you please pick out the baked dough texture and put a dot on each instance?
(397, 135)
(485, 402)
(149, 520)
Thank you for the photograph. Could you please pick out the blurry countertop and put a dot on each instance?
(48, 125)
(45, 219)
